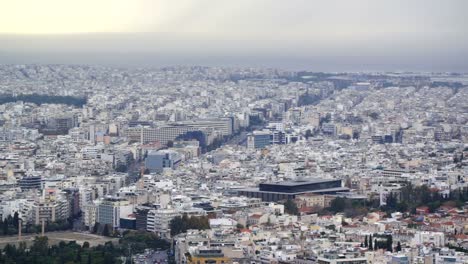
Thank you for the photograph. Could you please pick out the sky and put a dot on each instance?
(320, 35)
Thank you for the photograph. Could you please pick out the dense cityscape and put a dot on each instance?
(232, 165)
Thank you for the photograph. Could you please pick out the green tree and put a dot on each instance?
(16, 220)
(338, 204)
(398, 247)
(95, 228)
(290, 207)
(389, 243)
(5, 227)
(181, 224)
(107, 230)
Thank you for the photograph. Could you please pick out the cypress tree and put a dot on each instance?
(390, 243)
(398, 247)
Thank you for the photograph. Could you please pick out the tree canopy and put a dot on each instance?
(41, 252)
(43, 99)
(180, 224)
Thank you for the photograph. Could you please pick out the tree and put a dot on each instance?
(5, 227)
(374, 115)
(366, 243)
(16, 220)
(398, 247)
(181, 224)
(170, 144)
(338, 204)
(290, 207)
(41, 252)
(389, 244)
(375, 244)
(107, 230)
(308, 134)
(40, 245)
(95, 228)
(370, 243)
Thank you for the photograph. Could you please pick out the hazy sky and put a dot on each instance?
(332, 35)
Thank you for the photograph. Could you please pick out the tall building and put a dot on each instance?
(73, 197)
(156, 161)
(110, 210)
(158, 221)
(30, 182)
(51, 207)
(258, 139)
(90, 212)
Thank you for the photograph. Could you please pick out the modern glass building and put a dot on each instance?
(272, 192)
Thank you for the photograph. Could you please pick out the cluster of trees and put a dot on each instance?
(407, 200)
(104, 230)
(349, 207)
(412, 197)
(191, 135)
(138, 241)
(308, 134)
(10, 226)
(380, 242)
(290, 207)
(180, 224)
(255, 120)
(308, 99)
(43, 99)
(41, 252)
(218, 142)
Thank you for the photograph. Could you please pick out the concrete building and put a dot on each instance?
(111, 209)
(273, 192)
(158, 221)
(258, 139)
(156, 161)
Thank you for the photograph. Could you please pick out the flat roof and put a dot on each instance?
(301, 182)
(337, 189)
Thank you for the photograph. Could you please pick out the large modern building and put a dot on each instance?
(51, 207)
(273, 192)
(111, 209)
(158, 221)
(224, 125)
(160, 134)
(30, 182)
(258, 139)
(156, 161)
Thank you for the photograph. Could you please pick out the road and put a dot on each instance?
(240, 139)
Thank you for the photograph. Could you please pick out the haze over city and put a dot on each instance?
(234, 132)
(300, 34)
